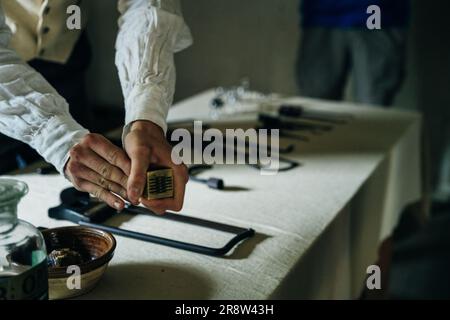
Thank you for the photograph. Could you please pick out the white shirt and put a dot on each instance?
(150, 32)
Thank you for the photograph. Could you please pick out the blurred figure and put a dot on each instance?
(336, 41)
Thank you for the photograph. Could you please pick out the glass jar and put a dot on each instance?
(23, 258)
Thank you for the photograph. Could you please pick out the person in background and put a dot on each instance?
(336, 42)
(34, 112)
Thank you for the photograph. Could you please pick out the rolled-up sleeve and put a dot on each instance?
(150, 32)
(31, 110)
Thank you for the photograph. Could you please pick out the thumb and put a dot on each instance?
(140, 161)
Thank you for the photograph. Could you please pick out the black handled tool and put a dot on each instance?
(213, 183)
(296, 111)
(271, 122)
(80, 208)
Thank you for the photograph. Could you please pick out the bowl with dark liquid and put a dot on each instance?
(73, 251)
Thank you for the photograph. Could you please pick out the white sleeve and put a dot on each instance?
(31, 110)
(150, 32)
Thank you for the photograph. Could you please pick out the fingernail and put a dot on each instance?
(135, 192)
(117, 205)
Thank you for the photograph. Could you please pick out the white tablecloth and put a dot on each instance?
(318, 226)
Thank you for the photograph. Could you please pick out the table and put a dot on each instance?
(318, 226)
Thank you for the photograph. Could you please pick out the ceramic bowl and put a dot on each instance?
(96, 248)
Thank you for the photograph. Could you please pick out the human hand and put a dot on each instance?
(145, 144)
(99, 167)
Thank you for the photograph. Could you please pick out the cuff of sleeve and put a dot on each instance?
(146, 103)
(59, 135)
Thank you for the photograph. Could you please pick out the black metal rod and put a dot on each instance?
(186, 219)
(173, 243)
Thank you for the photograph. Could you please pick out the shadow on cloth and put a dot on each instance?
(246, 247)
(152, 281)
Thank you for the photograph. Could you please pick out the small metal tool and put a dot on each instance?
(159, 184)
(297, 111)
(271, 122)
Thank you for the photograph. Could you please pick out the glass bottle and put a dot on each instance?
(23, 258)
